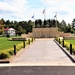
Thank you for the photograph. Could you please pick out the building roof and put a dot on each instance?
(9, 29)
(6, 28)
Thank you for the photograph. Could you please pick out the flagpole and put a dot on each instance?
(56, 19)
(33, 17)
(45, 15)
(34, 22)
(44, 12)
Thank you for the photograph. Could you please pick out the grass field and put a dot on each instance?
(71, 41)
(5, 44)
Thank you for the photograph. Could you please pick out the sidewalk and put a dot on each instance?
(43, 51)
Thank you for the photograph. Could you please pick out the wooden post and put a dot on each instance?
(63, 43)
(14, 49)
(32, 39)
(23, 44)
(28, 41)
(70, 48)
(59, 40)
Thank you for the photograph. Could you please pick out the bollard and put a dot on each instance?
(14, 49)
(28, 41)
(63, 43)
(32, 39)
(70, 48)
(59, 40)
(23, 44)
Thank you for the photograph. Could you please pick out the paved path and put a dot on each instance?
(43, 51)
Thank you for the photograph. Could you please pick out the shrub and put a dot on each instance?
(4, 55)
(56, 38)
(31, 39)
(67, 45)
(7, 35)
(11, 52)
(19, 46)
(26, 42)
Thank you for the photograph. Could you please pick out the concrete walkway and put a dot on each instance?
(43, 51)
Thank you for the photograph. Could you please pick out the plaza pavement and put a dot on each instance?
(43, 51)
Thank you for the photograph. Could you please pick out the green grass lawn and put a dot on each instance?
(71, 41)
(5, 44)
(6, 47)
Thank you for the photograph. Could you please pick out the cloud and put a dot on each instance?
(64, 8)
(16, 8)
(5, 7)
(24, 9)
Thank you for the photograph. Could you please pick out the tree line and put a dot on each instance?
(20, 27)
(27, 26)
(62, 26)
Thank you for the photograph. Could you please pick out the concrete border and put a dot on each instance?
(66, 52)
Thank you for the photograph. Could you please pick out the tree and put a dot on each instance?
(73, 24)
(20, 30)
(53, 23)
(45, 23)
(49, 22)
(63, 25)
(7, 23)
(30, 25)
(40, 22)
(37, 24)
(1, 26)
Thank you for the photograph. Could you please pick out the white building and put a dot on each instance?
(9, 31)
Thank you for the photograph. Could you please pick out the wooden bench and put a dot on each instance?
(19, 39)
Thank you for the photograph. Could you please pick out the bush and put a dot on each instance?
(7, 35)
(56, 38)
(74, 51)
(4, 55)
(67, 45)
(11, 52)
(19, 46)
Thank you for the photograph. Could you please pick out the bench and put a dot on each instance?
(19, 39)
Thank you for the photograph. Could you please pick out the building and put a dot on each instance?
(9, 31)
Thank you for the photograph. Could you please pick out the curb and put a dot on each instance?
(66, 52)
(5, 61)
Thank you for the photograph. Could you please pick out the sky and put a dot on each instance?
(20, 10)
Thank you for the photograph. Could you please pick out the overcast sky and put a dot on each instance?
(24, 9)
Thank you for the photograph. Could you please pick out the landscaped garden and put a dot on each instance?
(7, 47)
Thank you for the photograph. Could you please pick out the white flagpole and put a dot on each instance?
(56, 18)
(33, 19)
(44, 12)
